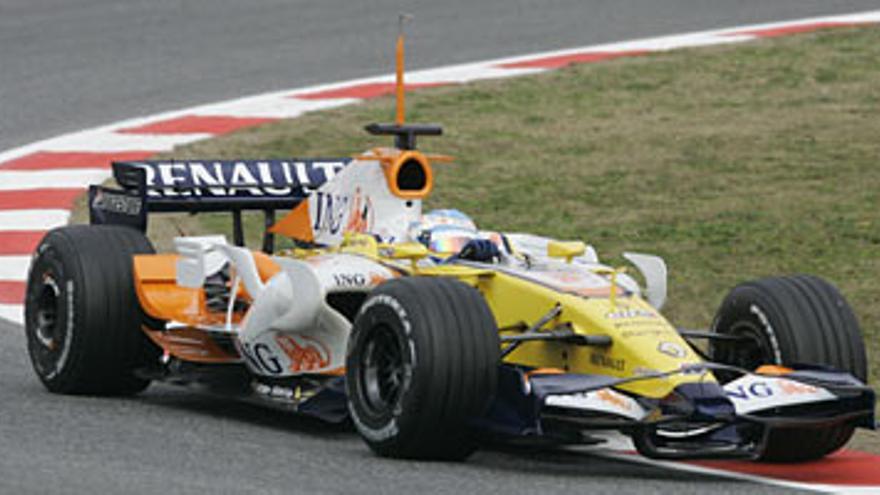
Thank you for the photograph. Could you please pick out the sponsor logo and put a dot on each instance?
(770, 333)
(614, 399)
(308, 355)
(754, 393)
(122, 204)
(237, 178)
(645, 332)
(261, 357)
(565, 277)
(604, 361)
(349, 279)
(384, 432)
(642, 371)
(281, 393)
(300, 354)
(672, 349)
(627, 313)
(330, 212)
(788, 387)
(765, 389)
(360, 218)
(751, 390)
(357, 280)
(603, 400)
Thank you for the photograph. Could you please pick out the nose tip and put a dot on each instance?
(698, 402)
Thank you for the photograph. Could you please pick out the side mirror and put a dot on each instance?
(412, 251)
(568, 250)
(653, 269)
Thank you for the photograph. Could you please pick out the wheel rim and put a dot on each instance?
(48, 333)
(382, 370)
(751, 352)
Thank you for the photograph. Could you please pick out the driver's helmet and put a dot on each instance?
(444, 231)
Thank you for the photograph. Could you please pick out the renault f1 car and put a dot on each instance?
(428, 333)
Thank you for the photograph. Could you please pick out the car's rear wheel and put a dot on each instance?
(422, 363)
(792, 320)
(82, 317)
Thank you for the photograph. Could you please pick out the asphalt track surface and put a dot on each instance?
(70, 64)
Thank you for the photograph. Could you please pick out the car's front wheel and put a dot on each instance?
(422, 362)
(792, 320)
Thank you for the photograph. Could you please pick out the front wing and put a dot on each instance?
(696, 420)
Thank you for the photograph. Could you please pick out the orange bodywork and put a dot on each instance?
(161, 297)
(773, 370)
(265, 266)
(296, 224)
(191, 344)
(392, 169)
(155, 280)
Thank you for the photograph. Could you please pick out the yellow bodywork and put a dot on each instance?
(636, 330)
(643, 341)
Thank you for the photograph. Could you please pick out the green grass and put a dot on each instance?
(731, 162)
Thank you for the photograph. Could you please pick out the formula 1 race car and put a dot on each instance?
(428, 333)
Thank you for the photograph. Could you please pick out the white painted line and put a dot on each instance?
(698, 38)
(466, 73)
(14, 267)
(667, 43)
(12, 312)
(18, 180)
(274, 107)
(38, 220)
(103, 141)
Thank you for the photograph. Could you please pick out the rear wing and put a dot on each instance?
(195, 186)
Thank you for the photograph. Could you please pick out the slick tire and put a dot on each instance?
(82, 317)
(422, 362)
(798, 319)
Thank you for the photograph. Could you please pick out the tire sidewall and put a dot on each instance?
(743, 309)
(380, 309)
(48, 266)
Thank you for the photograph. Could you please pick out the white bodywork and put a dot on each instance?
(199, 258)
(653, 269)
(604, 400)
(582, 274)
(358, 200)
(752, 393)
(289, 329)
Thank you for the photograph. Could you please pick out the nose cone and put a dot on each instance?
(699, 402)
(697, 421)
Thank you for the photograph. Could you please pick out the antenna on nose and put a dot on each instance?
(404, 134)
